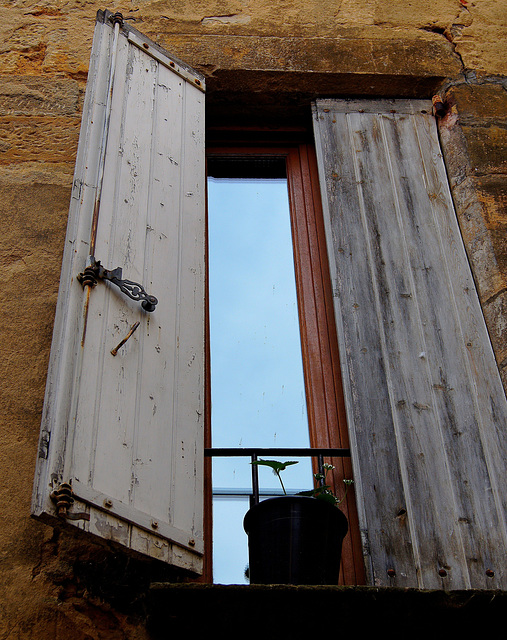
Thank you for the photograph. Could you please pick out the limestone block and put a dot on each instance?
(480, 103)
(482, 43)
(410, 59)
(416, 14)
(35, 95)
(38, 139)
(495, 313)
(487, 148)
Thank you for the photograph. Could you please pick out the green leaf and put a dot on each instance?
(275, 464)
(325, 488)
(327, 496)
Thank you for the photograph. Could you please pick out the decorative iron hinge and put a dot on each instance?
(95, 271)
(63, 498)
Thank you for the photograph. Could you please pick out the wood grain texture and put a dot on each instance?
(424, 402)
(127, 430)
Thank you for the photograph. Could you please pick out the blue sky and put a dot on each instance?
(256, 368)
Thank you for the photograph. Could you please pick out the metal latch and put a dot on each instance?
(95, 271)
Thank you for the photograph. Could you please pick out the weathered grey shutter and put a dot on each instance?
(126, 430)
(426, 410)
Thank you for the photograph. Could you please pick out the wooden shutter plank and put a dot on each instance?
(418, 432)
(128, 165)
(400, 332)
(162, 200)
(408, 353)
(423, 438)
(192, 300)
(111, 313)
(477, 450)
(368, 400)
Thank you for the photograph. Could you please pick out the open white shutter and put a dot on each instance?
(426, 409)
(125, 431)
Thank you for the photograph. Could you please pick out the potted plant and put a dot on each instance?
(296, 539)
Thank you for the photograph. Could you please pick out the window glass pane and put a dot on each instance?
(230, 545)
(257, 387)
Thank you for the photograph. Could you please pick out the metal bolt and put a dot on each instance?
(442, 572)
(191, 542)
(490, 573)
(154, 524)
(391, 573)
(108, 503)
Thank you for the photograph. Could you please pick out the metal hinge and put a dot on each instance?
(63, 498)
(45, 437)
(95, 271)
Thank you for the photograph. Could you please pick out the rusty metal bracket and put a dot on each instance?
(95, 271)
(439, 106)
(116, 18)
(63, 498)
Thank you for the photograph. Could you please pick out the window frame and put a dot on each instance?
(321, 365)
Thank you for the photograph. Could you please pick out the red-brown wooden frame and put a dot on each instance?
(325, 404)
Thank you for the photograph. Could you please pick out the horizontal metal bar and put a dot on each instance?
(260, 451)
(246, 493)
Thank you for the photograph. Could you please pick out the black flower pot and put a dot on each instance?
(294, 540)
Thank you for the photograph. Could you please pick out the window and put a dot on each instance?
(294, 165)
(393, 320)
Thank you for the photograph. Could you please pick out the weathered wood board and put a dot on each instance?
(126, 430)
(426, 408)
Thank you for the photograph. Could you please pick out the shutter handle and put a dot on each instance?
(95, 271)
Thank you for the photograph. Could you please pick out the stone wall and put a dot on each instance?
(474, 140)
(252, 52)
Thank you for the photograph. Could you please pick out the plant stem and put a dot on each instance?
(281, 482)
(344, 495)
